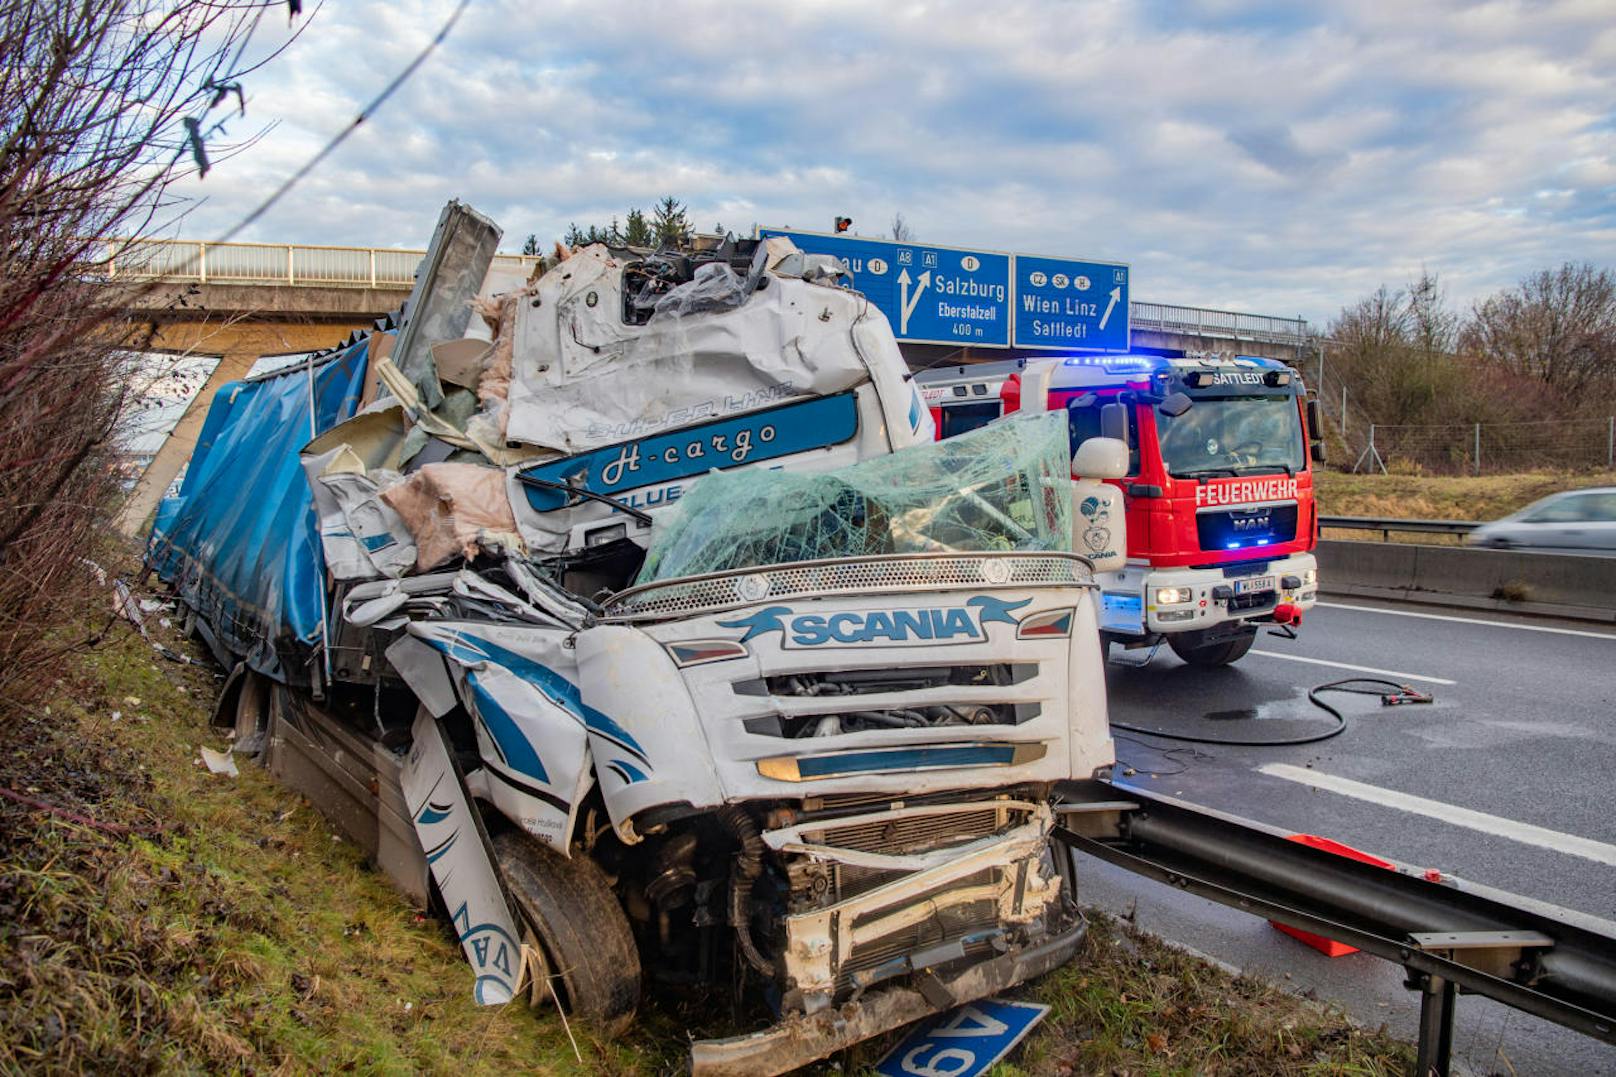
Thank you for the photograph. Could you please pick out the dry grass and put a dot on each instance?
(1436, 497)
(1130, 1004)
(246, 936)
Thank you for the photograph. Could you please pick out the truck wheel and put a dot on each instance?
(570, 912)
(1221, 653)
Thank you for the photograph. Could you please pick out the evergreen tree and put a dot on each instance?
(638, 232)
(530, 245)
(669, 221)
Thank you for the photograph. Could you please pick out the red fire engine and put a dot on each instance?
(1220, 514)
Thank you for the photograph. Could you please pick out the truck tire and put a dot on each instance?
(571, 912)
(1222, 653)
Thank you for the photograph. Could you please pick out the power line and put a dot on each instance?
(342, 136)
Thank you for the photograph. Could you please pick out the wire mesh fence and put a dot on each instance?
(1454, 448)
(1490, 448)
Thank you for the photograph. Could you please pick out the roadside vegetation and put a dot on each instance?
(157, 917)
(1533, 364)
(1445, 497)
(104, 105)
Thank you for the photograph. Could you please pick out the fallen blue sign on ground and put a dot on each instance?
(962, 1042)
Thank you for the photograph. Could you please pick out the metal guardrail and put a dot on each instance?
(272, 263)
(1229, 324)
(1387, 524)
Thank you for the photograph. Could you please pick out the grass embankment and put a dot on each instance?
(240, 933)
(1441, 497)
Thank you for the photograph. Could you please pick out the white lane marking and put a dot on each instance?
(1469, 620)
(1358, 669)
(1525, 833)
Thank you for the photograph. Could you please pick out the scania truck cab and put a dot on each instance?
(1221, 518)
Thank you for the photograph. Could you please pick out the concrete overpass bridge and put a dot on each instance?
(244, 301)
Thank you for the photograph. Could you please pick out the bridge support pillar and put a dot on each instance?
(242, 342)
(181, 441)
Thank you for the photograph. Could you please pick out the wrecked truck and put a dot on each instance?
(632, 618)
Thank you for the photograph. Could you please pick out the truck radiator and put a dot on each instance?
(948, 920)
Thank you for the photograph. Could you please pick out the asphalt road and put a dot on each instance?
(1523, 731)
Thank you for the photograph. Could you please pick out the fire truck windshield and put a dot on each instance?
(1243, 435)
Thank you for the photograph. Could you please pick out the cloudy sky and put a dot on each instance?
(1276, 157)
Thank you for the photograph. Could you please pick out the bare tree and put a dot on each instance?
(1557, 326)
(103, 105)
(901, 231)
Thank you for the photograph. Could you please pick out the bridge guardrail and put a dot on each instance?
(271, 263)
(189, 261)
(1387, 524)
(1204, 321)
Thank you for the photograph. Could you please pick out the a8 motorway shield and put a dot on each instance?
(931, 295)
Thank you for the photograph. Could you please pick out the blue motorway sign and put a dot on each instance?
(1062, 303)
(931, 295)
(962, 1042)
(946, 295)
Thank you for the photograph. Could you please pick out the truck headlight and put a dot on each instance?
(1310, 577)
(1172, 596)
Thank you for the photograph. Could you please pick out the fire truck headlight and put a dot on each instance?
(1310, 577)
(1172, 596)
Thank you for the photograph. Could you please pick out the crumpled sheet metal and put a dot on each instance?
(582, 378)
(1005, 486)
(451, 276)
(816, 949)
(361, 536)
(448, 508)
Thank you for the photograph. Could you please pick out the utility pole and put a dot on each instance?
(1478, 448)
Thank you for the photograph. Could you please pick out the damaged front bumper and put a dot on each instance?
(901, 913)
(799, 1040)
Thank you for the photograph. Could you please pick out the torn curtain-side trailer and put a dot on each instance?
(629, 614)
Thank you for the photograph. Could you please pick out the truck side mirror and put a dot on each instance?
(1317, 450)
(1315, 432)
(1114, 422)
(1101, 458)
(1175, 405)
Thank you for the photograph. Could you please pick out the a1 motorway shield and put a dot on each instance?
(931, 295)
(1062, 303)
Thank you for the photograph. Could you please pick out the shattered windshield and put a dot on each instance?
(1003, 487)
(1243, 435)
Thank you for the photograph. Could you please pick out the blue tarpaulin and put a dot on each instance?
(240, 541)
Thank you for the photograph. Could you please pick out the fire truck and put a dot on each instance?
(1221, 518)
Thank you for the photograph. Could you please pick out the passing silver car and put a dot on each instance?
(1580, 519)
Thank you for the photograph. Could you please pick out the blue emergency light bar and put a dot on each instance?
(1120, 363)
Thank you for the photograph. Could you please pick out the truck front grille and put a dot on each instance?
(1246, 528)
(862, 576)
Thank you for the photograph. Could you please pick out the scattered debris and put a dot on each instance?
(219, 762)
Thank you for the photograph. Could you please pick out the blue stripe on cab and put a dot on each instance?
(513, 743)
(906, 759)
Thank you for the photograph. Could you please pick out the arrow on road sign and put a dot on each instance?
(1116, 294)
(907, 303)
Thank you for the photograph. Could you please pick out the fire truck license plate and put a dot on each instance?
(1249, 587)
